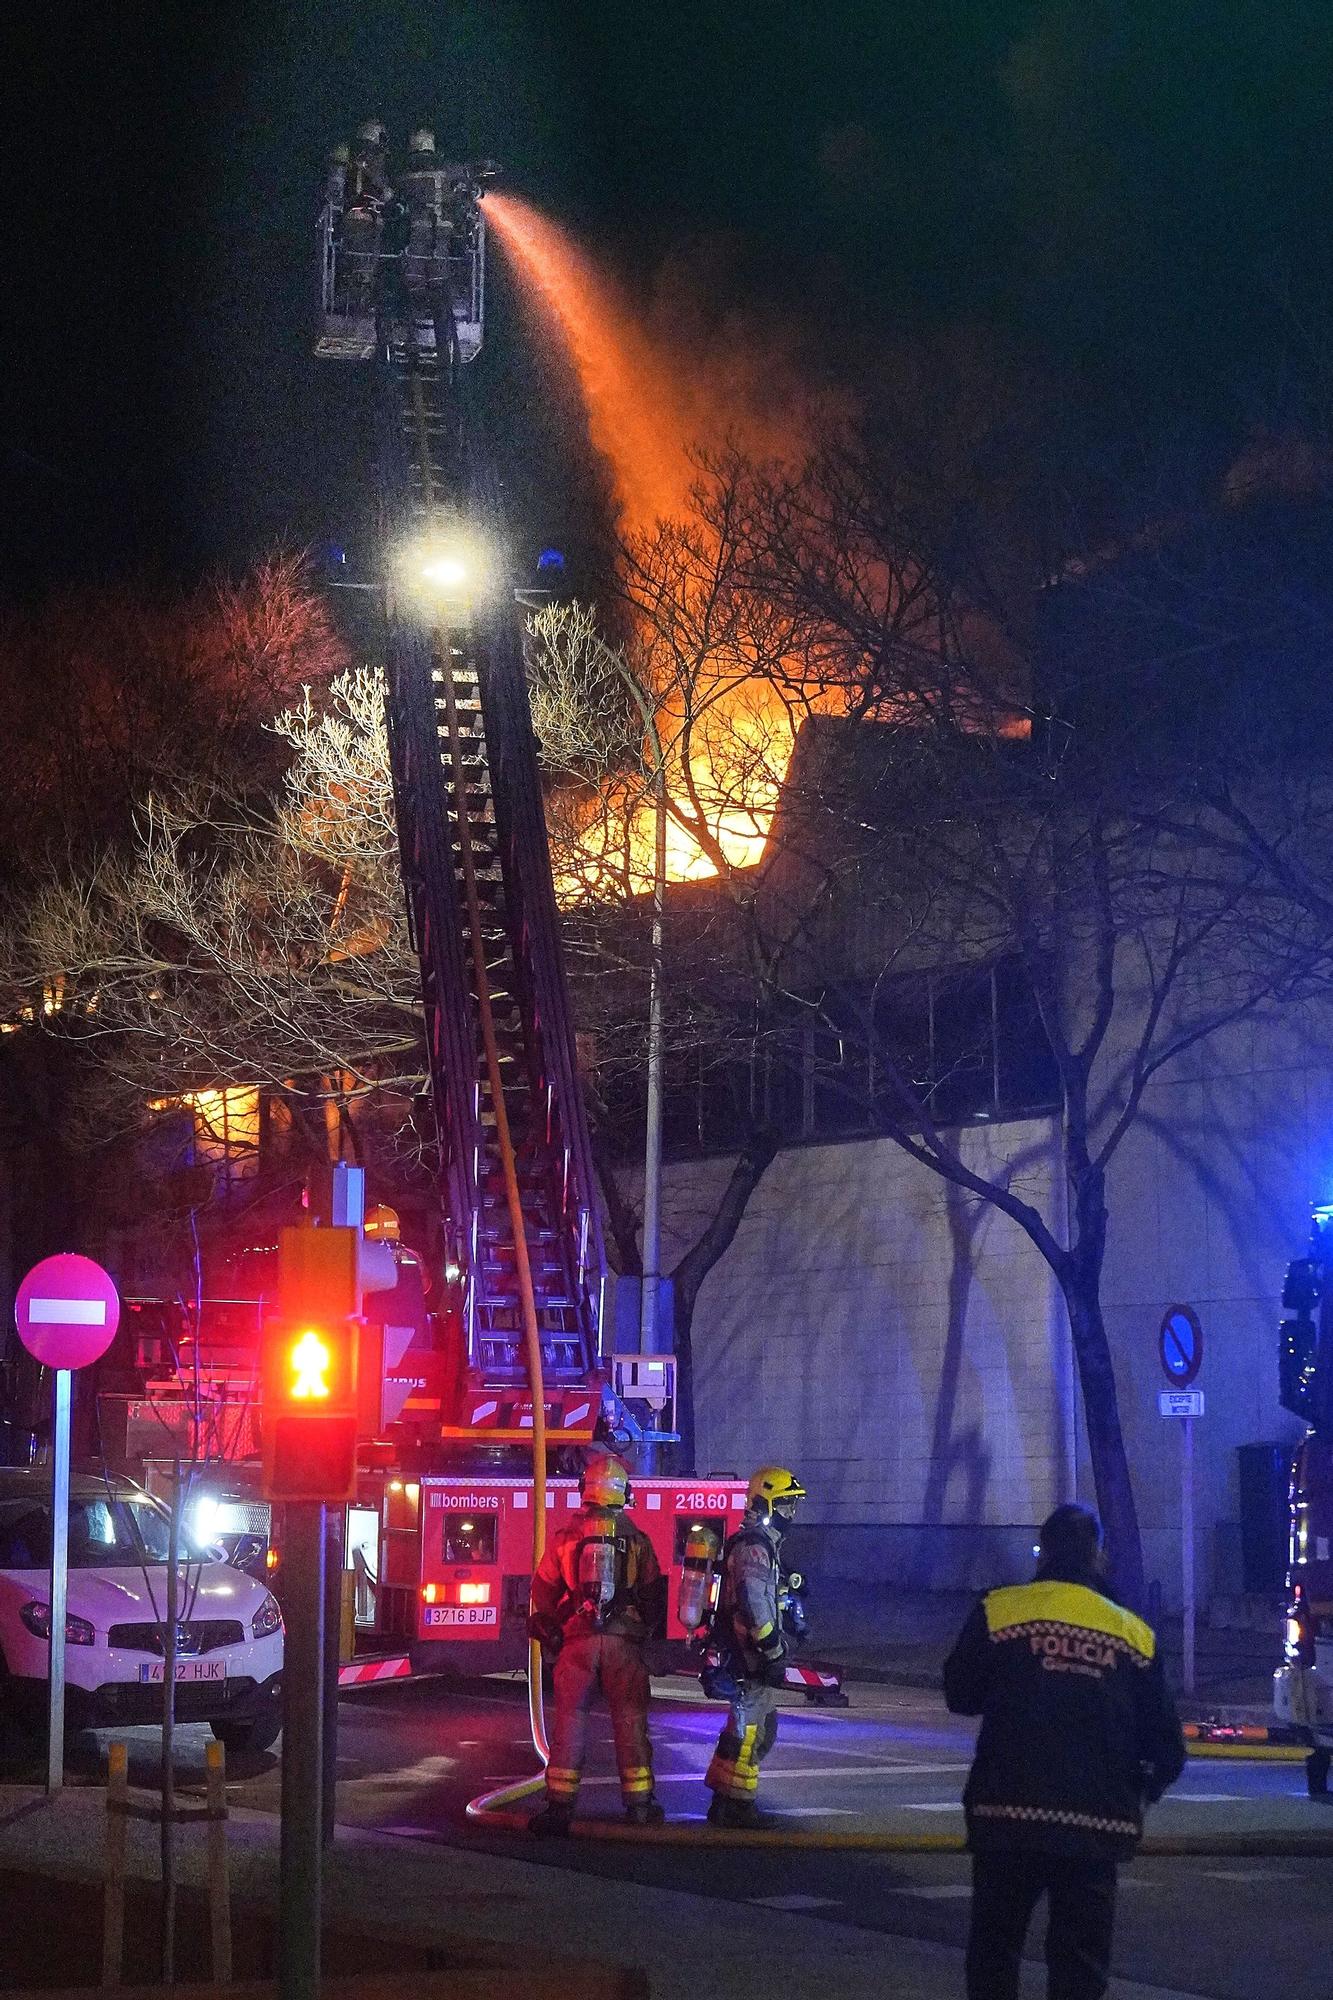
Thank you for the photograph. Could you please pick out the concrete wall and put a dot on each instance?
(906, 1348)
(1210, 1199)
(897, 1340)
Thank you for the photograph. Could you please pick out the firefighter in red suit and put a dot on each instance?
(597, 1597)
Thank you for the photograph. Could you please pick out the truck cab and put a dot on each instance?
(1303, 1684)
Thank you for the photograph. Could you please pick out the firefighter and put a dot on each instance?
(749, 1615)
(1077, 1731)
(597, 1597)
(426, 182)
(336, 168)
(367, 191)
(425, 188)
(369, 180)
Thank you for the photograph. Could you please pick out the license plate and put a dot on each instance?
(186, 1670)
(462, 1614)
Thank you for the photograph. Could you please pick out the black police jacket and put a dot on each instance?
(1077, 1726)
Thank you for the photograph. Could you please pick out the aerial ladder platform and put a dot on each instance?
(472, 834)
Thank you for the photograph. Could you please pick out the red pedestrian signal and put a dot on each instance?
(310, 1411)
(308, 1366)
(310, 1415)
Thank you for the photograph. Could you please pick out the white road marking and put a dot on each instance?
(1202, 1799)
(778, 1772)
(814, 1812)
(794, 1902)
(1250, 1874)
(932, 1805)
(936, 1892)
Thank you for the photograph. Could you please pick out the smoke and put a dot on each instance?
(668, 381)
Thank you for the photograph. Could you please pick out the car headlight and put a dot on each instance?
(37, 1618)
(268, 1618)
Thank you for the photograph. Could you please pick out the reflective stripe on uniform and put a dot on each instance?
(561, 1782)
(734, 1771)
(1020, 1607)
(636, 1779)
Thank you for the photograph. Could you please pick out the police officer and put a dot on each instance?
(597, 1596)
(1077, 1732)
(750, 1615)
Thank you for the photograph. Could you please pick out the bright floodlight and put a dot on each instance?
(444, 572)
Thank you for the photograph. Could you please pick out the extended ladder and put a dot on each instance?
(464, 771)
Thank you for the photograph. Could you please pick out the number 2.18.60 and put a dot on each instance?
(701, 1503)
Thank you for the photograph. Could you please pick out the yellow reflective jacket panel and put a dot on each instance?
(1077, 1727)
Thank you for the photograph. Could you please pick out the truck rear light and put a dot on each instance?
(1300, 1633)
(474, 1593)
(429, 1592)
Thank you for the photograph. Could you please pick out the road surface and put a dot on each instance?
(411, 1755)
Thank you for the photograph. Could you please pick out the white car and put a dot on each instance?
(229, 1627)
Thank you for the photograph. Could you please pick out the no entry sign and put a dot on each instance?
(67, 1311)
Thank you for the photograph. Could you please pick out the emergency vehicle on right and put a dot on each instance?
(1303, 1684)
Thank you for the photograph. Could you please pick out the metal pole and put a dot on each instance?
(347, 1206)
(333, 1586)
(167, 1828)
(1187, 1553)
(59, 1593)
(301, 1855)
(652, 1152)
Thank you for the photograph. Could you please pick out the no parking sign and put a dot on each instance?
(1180, 1345)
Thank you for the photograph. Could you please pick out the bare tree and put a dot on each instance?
(1071, 822)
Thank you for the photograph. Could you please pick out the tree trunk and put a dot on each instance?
(689, 1274)
(684, 1453)
(1106, 1442)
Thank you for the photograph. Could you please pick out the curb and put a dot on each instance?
(1153, 1846)
(1246, 1753)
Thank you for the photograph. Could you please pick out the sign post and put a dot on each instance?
(309, 1420)
(67, 1311)
(1180, 1351)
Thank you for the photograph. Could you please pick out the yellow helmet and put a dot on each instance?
(605, 1482)
(774, 1489)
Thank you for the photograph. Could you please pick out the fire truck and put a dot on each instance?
(439, 1537)
(1303, 1684)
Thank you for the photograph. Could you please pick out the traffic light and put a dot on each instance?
(310, 1369)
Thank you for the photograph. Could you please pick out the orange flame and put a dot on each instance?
(648, 406)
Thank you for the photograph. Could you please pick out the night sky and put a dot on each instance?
(1144, 207)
